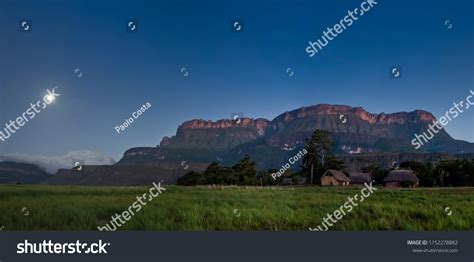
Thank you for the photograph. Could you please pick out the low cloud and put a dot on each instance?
(52, 163)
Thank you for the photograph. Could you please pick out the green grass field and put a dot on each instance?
(233, 208)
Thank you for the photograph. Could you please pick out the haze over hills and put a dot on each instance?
(270, 143)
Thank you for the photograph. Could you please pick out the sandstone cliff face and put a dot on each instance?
(259, 124)
(270, 143)
(416, 116)
(292, 128)
(219, 135)
(352, 127)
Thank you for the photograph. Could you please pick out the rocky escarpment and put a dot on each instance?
(219, 135)
(352, 127)
(270, 143)
(417, 116)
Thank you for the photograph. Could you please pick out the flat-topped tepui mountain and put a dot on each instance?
(270, 143)
(359, 139)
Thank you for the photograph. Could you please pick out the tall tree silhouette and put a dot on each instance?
(318, 147)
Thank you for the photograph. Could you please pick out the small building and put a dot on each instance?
(334, 178)
(401, 178)
(360, 178)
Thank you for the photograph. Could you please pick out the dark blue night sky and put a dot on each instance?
(228, 71)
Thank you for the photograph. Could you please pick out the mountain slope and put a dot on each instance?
(12, 172)
(270, 143)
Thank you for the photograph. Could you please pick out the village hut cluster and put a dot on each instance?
(395, 178)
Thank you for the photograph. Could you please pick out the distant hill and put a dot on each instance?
(13, 173)
(130, 175)
(270, 143)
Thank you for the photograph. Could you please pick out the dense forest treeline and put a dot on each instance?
(319, 159)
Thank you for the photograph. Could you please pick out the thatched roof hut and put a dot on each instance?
(401, 178)
(334, 178)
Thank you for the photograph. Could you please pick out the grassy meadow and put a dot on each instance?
(42, 207)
